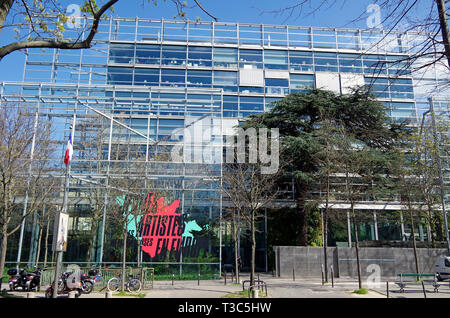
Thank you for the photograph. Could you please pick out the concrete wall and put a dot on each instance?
(307, 261)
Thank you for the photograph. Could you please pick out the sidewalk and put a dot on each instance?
(277, 288)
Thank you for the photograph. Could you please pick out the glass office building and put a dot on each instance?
(145, 83)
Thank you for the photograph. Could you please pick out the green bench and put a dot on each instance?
(402, 283)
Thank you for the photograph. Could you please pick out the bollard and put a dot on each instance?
(72, 294)
(322, 276)
(332, 276)
(30, 295)
(173, 277)
(198, 283)
(293, 274)
(387, 289)
(255, 293)
(108, 294)
(225, 282)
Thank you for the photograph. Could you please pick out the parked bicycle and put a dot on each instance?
(132, 285)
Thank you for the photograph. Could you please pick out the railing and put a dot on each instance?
(145, 274)
(256, 281)
(260, 286)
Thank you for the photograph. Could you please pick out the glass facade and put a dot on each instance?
(159, 77)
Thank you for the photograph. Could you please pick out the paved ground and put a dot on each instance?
(277, 288)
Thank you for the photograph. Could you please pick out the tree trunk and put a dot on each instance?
(3, 252)
(92, 236)
(253, 243)
(124, 258)
(38, 252)
(139, 261)
(47, 230)
(325, 228)
(5, 6)
(431, 227)
(236, 247)
(300, 193)
(444, 28)
(414, 241)
(358, 261)
(325, 241)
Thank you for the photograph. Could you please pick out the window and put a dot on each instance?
(350, 63)
(301, 82)
(120, 75)
(374, 64)
(398, 65)
(121, 53)
(173, 55)
(148, 54)
(230, 102)
(145, 76)
(198, 78)
(277, 82)
(276, 86)
(173, 77)
(251, 103)
(276, 59)
(199, 56)
(270, 102)
(378, 86)
(225, 57)
(250, 58)
(230, 106)
(226, 80)
(300, 61)
(251, 89)
(401, 105)
(401, 88)
(326, 62)
(390, 87)
(402, 111)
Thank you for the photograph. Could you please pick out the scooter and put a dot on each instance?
(87, 283)
(33, 280)
(18, 279)
(14, 279)
(65, 287)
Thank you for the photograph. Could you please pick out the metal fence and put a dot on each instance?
(144, 274)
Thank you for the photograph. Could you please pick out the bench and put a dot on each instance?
(402, 283)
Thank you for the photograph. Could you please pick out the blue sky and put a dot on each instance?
(246, 11)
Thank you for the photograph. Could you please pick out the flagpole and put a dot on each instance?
(64, 211)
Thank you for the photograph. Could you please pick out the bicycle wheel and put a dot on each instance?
(113, 284)
(134, 285)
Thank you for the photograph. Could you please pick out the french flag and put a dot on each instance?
(69, 151)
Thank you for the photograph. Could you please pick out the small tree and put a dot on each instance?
(329, 160)
(24, 143)
(248, 185)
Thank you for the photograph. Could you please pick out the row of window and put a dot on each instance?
(233, 106)
(196, 56)
(228, 81)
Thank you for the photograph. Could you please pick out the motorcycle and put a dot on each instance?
(33, 280)
(21, 278)
(18, 279)
(87, 283)
(14, 279)
(64, 287)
